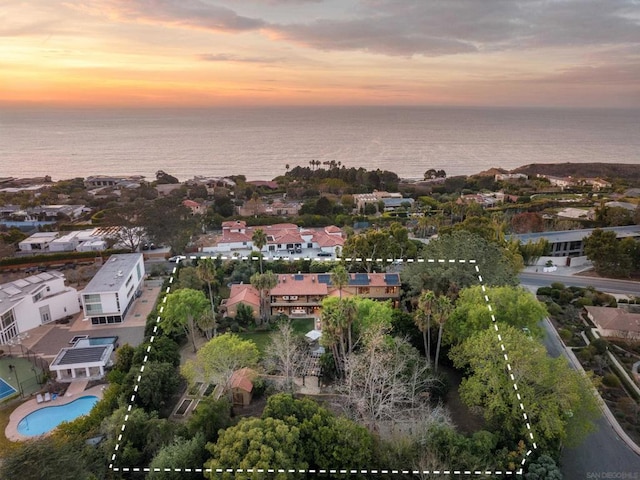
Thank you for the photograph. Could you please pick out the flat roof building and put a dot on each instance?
(108, 296)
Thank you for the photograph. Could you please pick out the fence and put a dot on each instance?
(21, 351)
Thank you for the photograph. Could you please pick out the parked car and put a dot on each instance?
(177, 258)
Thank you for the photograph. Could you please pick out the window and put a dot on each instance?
(129, 280)
(138, 271)
(37, 296)
(92, 304)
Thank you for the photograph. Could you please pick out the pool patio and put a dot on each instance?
(11, 432)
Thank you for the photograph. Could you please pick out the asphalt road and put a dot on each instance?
(602, 454)
(602, 284)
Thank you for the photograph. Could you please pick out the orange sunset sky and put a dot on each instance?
(582, 53)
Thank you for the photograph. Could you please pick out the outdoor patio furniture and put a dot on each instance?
(47, 397)
(54, 396)
(39, 398)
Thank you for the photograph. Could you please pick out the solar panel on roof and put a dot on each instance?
(360, 279)
(82, 355)
(21, 283)
(45, 276)
(324, 278)
(11, 290)
(391, 278)
(298, 277)
(33, 279)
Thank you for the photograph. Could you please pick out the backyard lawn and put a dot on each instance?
(261, 338)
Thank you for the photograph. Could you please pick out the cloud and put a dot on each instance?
(442, 27)
(183, 13)
(407, 27)
(605, 74)
(228, 57)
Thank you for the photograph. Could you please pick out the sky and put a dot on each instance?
(565, 53)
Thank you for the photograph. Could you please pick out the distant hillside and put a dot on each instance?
(628, 171)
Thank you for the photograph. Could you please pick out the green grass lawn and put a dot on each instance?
(261, 338)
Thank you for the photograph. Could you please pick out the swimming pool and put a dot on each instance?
(46, 419)
(102, 340)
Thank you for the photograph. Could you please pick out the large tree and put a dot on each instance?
(610, 256)
(264, 282)
(422, 318)
(441, 312)
(157, 385)
(384, 243)
(259, 239)
(443, 272)
(559, 402)
(285, 353)
(339, 277)
(513, 306)
(174, 461)
(256, 443)
(216, 360)
(168, 222)
(183, 307)
(207, 272)
(386, 381)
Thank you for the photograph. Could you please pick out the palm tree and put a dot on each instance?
(264, 282)
(259, 239)
(339, 277)
(206, 271)
(422, 318)
(207, 323)
(441, 313)
(349, 312)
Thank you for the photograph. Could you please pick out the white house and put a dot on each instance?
(108, 296)
(38, 242)
(33, 301)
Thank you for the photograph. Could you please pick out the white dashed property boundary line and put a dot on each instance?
(328, 471)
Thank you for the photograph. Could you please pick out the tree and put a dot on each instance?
(210, 417)
(167, 222)
(208, 323)
(560, 404)
(173, 460)
(532, 251)
(162, 178)
(385, 381)
(157, 385)
(206, 270)
(285, 353)
(527, 222)
(384, 243)
(264, 282)
(543, 468)
(128, 218)
(441, 312)
(339, 277)
(259, 239)
(182, 309)
(512, 306)
(422, 319)
(45, 457)
(493, 262)
(256, 443)
(188, 278)
(610, 256)
(217, 359)
(326, 441)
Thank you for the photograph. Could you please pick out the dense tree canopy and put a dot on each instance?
(559, 401)
(610, 256)
(181, 311)
(513, 306)
(217, 359)
(493, 262)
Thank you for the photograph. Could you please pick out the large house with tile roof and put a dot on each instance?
(302, 294)
(282, 238)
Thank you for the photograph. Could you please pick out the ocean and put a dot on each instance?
(260, 142)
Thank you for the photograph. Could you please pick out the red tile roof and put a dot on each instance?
(307, 285)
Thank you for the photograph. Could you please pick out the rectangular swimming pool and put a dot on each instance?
(102, 340)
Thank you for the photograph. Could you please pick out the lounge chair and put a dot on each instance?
(47, 397)
(39, 398)
(54, 396)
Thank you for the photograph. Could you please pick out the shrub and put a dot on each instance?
(547, 291)
(600, 345)
(557, 286)
(565, 334)
(611, 380)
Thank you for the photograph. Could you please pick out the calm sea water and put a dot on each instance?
(260, 142)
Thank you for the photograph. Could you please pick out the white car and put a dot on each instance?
(176, 258)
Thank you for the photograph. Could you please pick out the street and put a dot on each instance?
(602, 454)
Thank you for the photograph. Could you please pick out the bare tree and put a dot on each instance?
(386, 380)
(285, 354)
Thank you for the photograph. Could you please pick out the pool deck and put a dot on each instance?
(11, 432)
